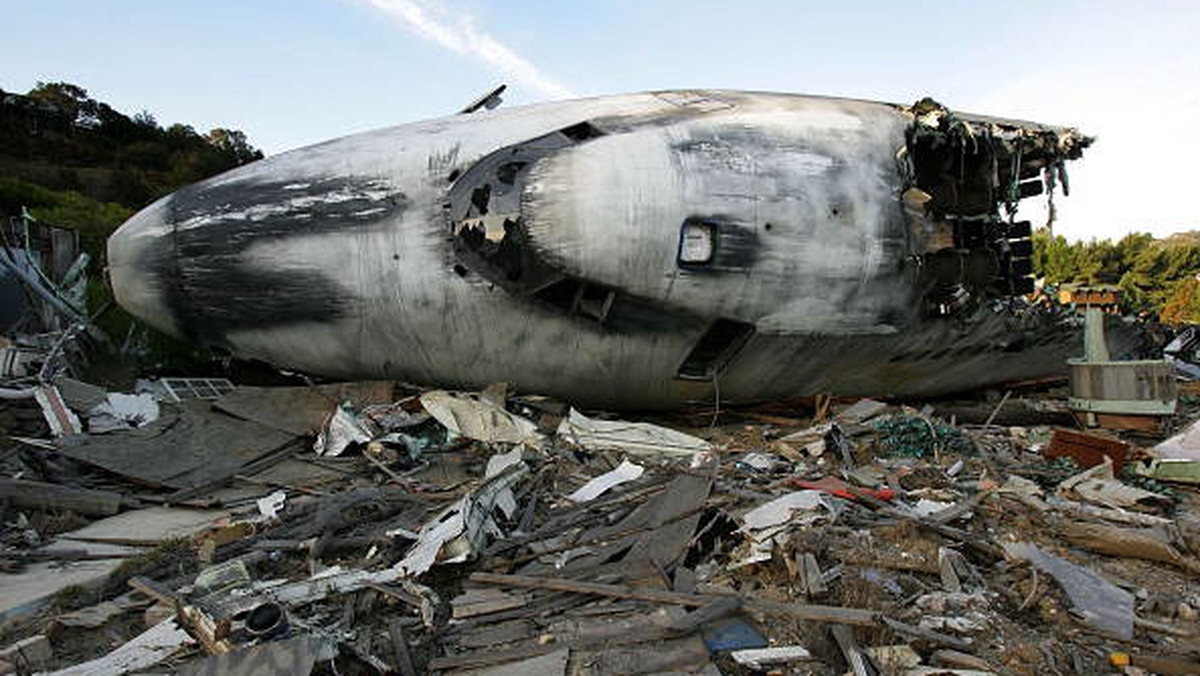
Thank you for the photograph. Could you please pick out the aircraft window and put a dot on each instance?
(697, 243)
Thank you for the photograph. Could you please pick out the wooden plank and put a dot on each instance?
(207, 630)
(156, 592)
(484, 601)
(674, 520)
(715, 610)
(814, 613)
(39, 495)
(401, 656)
(1135, 543)
(510, 631)
(1140, 423)
(149, 648)
(850, 650)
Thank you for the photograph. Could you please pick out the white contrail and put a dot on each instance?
(456, 31)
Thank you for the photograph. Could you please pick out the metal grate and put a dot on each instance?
(180, 389)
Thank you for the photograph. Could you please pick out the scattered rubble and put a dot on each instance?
(368, 528)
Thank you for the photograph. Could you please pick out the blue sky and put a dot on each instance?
(294, 72)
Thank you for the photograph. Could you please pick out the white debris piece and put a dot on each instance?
(765, 523)
(779, 510)
(1098, 486)
(505, 500)
(502, 461)
(762, 462)
(1182, 446)
(121, 412)
(342, 429)
(270, 505)
(926, 507)
(862, 411)
(758, 658)
(634, 438)
(625, 472)
(958, 624)
(461, 529)
(479, 419)
(812, 439)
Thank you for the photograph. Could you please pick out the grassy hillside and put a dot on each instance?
(76, 162)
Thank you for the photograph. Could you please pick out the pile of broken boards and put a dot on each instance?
(358, 529)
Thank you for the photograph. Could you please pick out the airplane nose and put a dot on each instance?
(140, 259)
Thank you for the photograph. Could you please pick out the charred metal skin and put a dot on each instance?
(635, 251)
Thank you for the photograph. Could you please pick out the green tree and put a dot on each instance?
(1182, 304)
(70, 99)
(234, 145)
(1153, 275)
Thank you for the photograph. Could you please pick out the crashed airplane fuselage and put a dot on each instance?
(628, 251)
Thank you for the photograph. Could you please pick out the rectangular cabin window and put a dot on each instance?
(697, 243)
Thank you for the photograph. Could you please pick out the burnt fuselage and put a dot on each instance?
(627, 251)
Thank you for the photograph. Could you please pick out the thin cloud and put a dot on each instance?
(455, 30)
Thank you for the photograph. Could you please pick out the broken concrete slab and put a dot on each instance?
(35, 586)
(149, 526)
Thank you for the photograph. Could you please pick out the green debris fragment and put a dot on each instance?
(916, 437)
(1183, 471)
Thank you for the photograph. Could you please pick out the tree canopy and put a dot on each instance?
(1156, 277)
(59, 138)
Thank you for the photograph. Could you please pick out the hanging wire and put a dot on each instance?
(716, 400)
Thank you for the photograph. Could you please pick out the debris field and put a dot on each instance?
(197, 527)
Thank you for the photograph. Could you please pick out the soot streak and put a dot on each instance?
(214, 289)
